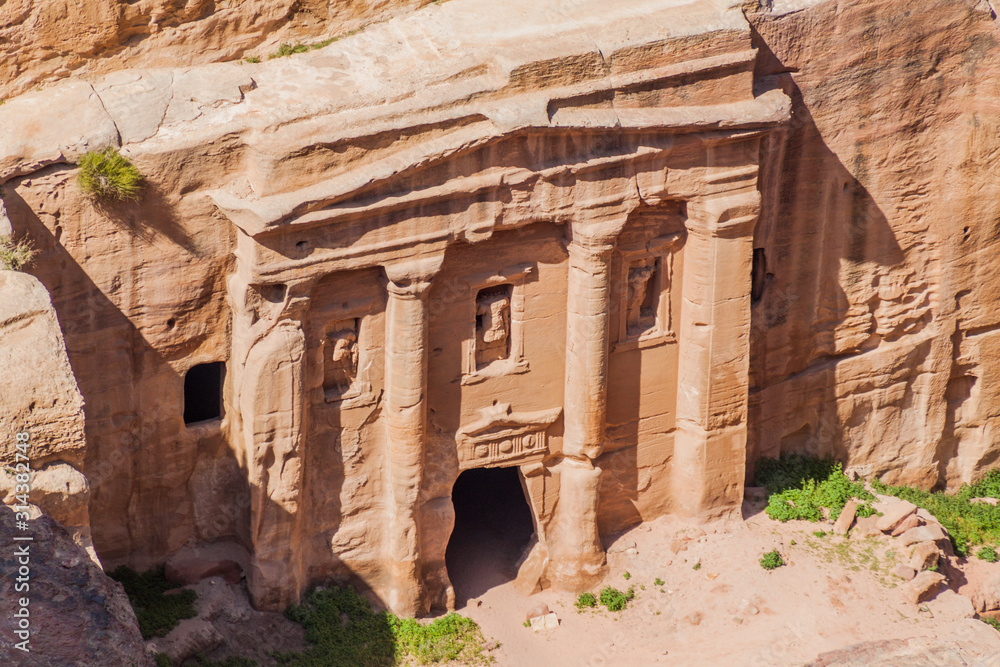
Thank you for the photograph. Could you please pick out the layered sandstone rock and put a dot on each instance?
(49, 40)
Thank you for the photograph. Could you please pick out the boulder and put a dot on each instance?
(894, 514)
(843, 523)
(904, 571)
(915, 652)
(906, 524)
(923, 586)
(925, 555)
(866, 526)
(928, 533)
(537, 610)
(78, 615)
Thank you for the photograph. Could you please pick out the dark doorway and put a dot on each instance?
(203, 392)
(493, 526)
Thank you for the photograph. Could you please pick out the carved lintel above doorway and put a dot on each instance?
(501, 437)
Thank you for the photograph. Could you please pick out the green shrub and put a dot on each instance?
(345, 631)
(614, 599)
(627, 575)
(800, 488)
(14, 256)
(820, 533)
(253, 60)
(697, 566)
(991, 621)
(968, 524)
(988, 554)
(108, 174)
(658, 582)
(287, 50)
(157, 613)
(772, 560)
(586, 601)
(163, 660)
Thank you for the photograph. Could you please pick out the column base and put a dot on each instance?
(576, 558)
(708, 472)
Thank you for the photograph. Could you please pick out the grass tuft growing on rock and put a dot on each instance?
(157, 613)
(802, 488)
(345, 631)
(109, 175)
(15, 255)
(968, 524)
(991, 621)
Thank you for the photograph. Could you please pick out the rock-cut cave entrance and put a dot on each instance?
(493, 525)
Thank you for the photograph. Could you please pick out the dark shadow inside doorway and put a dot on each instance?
(493, 525)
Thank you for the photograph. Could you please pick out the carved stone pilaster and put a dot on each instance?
(713, 366)
(405, 420)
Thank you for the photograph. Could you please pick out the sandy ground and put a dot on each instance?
(834, 592)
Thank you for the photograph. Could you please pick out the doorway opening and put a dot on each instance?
(493, 525)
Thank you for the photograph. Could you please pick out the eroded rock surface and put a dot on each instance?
(78, 615)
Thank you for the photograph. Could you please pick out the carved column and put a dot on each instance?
(713, 367)
(576, 555)
(405, 419)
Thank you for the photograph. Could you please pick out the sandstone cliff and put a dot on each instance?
(876, 337)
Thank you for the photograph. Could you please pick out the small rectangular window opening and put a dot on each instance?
(203, 392)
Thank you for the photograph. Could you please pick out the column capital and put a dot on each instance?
(594, 239)
(727, 216)
(412, 277)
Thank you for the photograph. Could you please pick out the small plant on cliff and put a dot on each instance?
(253, 60)
(988, 554)
(772, 560)
(108, 174)
(157, 613)
(586, 601)
(287, 50)
(614, 599)
(15, 255)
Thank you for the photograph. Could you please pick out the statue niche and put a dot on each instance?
(340, 358)
(493, 325)
(642, 297)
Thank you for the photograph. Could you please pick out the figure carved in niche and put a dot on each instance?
(340, 360)
(641, 313)
(492, 325)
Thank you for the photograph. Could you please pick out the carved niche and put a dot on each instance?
(343, 376)
(644, 300)
(501, 437)
(493, 325)
(495, 345)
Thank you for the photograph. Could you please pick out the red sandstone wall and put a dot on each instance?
(877, 338)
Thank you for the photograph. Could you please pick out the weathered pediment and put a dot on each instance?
(502, 437)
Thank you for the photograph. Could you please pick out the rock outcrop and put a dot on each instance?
(76, 615)
(876, 331)
(48, 40)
